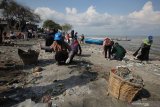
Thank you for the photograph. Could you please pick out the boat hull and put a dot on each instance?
(94, 41)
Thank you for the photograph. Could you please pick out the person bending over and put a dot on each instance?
(145, 48)
(118, 52)
(60, 48)
(75, 49)
(107, 46)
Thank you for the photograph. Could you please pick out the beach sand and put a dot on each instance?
(83, 83)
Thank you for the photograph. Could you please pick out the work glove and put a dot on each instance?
(68, 60)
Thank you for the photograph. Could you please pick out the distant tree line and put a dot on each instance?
(50, 24)
(17, 15)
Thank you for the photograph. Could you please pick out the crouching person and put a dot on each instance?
(60, 47)
(75, 49)
(145, 48)
(118, 52)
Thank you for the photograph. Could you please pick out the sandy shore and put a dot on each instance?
(83, 83)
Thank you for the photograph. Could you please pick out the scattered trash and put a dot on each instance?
(37, 69)
(155, 70)
(30, 103)
(130, 64)
(64, 93)
(46, 98)
(138, 64)
(140, 104)
(157, 74)
(2, 52)
(127, 75)
(54, 105)
(55, 80)
(7, 65)
(81, 63)
(123, 84)
(71, 71)
(71, 92)
(36, 74)
(107, 93)
(87, 67)
(60, 85)
(7, 43)
(56, 98)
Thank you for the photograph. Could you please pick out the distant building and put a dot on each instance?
(30, 25)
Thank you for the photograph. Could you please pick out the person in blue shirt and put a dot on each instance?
(64, 53)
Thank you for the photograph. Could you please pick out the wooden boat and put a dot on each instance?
(94, 41)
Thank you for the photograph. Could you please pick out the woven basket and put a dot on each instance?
(121, 89)
(28, 57)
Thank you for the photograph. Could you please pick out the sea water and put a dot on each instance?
(135, 43)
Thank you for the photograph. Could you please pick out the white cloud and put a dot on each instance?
(71, 10)
(92, 22)
(147, 15)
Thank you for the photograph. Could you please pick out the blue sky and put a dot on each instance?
(110, 6)
(123, 17)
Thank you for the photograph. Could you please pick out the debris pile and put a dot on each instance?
(7, 65)
(124, 84)
(129, 76)
(7, 43)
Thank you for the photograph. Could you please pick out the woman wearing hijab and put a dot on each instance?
(60, 48)
(75, 49)
(107, 46)
(118, 52)
(145, 48)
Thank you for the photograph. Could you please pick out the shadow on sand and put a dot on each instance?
(142, 94)
(17, 95)
(85, 55)
(41, 63)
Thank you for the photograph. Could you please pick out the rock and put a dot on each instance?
(2, 52)
(46, 98)
(107, 93)
(144, 99)
(2, 82)
(37, 69)
(54, 105)
(130, 65)
(64, 93)
(71, 71)
(138, 64)
(55, 80)
(56, 98)
(71, 92)
(30, 103)
(36, 74)
(60, 85)
(140, 104)
(155, 70)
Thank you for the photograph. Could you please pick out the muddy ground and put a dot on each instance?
(83, 83)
